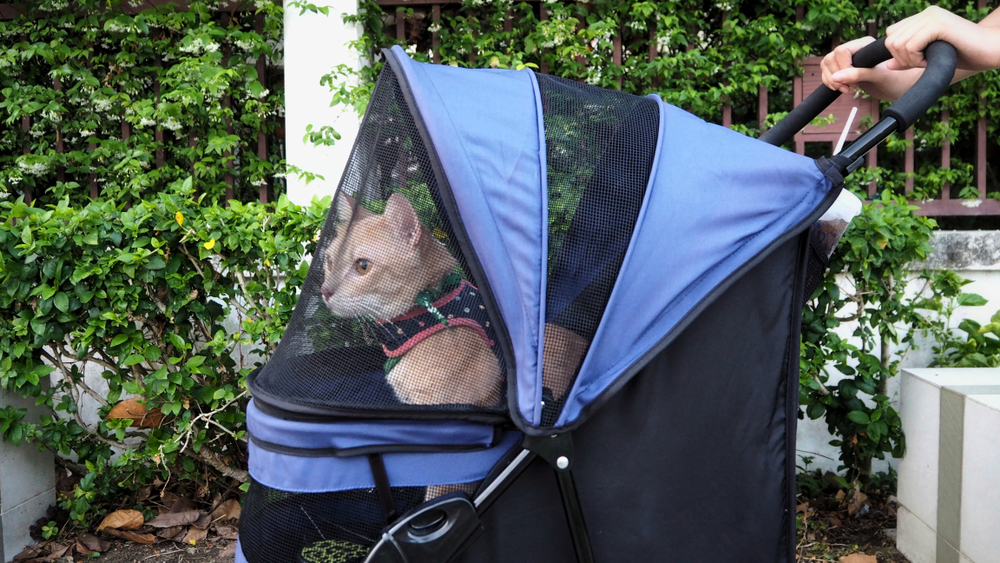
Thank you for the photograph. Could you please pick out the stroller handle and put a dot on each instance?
(942, 61)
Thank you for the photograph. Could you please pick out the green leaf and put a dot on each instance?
(61, 302)
(133, 359)
(858, 417)
(152, 353)
(971, 300)
(118, 340)
(177, 341)
(156, 263)
(195, 362)
(90, 238)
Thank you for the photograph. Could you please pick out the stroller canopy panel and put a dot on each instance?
(485, 126)
(717, 200)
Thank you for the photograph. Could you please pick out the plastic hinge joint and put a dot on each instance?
(434, 532)
(557, 450)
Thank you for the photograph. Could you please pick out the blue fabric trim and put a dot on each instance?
(530, 388)
(328, 474)
(239, 553)
(357, 434)
(716, 200)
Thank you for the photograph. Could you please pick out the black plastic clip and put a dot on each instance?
(434, 532)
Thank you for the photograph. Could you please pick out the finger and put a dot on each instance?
(897, 44)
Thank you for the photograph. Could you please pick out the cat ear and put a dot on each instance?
(401, 215)
(347, 208)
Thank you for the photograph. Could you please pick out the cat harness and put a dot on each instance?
(461, 306)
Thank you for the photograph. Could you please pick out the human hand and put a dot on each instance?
(880, 82)
(977, 45)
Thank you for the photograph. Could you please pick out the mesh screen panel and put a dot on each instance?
(338, 527)
(599, 150)
(390, 319)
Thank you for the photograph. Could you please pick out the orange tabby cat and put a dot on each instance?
(374, 269)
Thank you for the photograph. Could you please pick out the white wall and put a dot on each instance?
(314, 45)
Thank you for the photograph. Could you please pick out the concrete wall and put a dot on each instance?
(27, 484)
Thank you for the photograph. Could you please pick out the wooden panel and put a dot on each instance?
(761, 108)
(543, 15)
(435, 38)
(908, 160)
(946, 156)
(958, 207)
(981, 155)
(812, 78)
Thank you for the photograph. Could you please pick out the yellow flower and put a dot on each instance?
(267, 262)
(180, 218)
(439, 234)
(210, 244)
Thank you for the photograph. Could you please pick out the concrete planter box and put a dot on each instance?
(949, 478)
(27, 485)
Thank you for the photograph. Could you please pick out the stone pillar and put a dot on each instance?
(27, 484)
(949, 501)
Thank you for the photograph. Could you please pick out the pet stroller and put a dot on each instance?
(547, 322)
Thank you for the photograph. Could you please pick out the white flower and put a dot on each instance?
(172, 124)
(36, 169)
(14, 180)
(146, 122)
(51, 116)
(434, 27)
(5, 195)
(84, 133)
(102, 105)
(244, 44)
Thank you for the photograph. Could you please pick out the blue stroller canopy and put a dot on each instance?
(715, 201)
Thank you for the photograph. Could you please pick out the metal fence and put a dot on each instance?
(426, 13)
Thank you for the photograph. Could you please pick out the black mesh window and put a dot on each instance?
(599, 148)
(390, 319)
(336, 527)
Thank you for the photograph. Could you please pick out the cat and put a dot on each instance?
(375, 268)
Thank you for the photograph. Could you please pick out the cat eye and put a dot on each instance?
(363, 266)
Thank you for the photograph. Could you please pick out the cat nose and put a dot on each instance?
(326, 293)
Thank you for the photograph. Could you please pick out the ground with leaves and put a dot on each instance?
(847, 527)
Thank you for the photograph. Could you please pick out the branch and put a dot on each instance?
(194, 262)
(243, 284)
(213, 460)
(67, 376)
(159, 304)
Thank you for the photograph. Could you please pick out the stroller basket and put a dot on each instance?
(547, 322)
(323, 492)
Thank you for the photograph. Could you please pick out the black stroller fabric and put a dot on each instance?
(513, 257)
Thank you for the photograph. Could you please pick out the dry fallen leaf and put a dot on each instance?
(229, 509)
(173, 532)
(802, 507)
(122, 520)
(136, 411)
(203, 522)
(858, 558)
(194, 535)
(230, 551)
(227, 532)
(146, 539)
(175, 519)
(89, 543)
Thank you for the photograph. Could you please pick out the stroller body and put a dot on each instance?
(599, 361)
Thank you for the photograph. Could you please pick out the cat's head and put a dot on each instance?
(377, 264)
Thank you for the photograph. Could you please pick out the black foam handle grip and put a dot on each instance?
(942, 60)
(941, 63)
